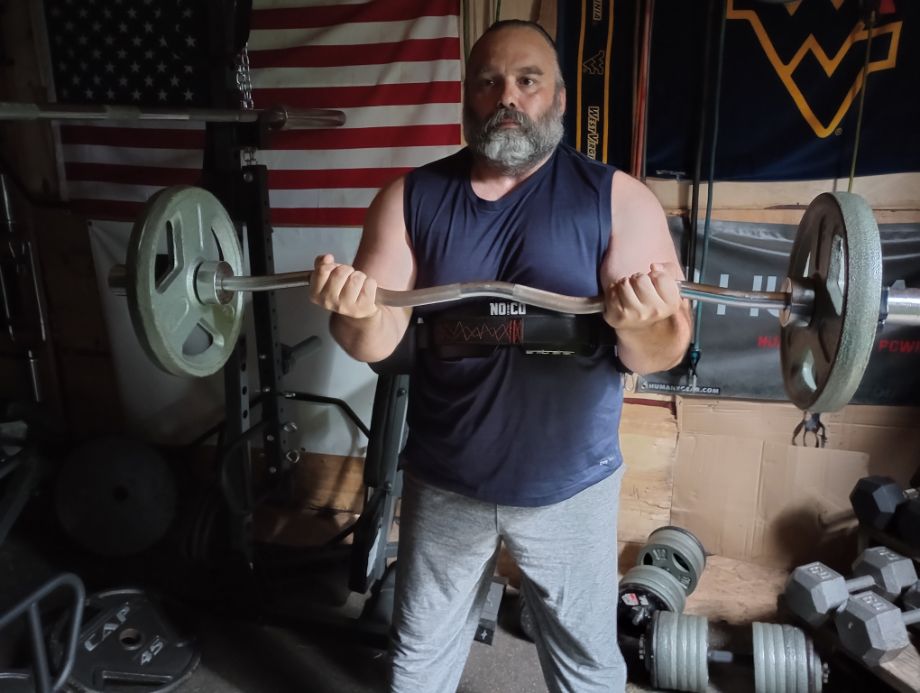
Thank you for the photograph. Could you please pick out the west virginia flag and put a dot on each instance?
(793, 78)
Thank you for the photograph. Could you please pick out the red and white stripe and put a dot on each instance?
(392, 67)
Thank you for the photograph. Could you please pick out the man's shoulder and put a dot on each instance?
(573, 157)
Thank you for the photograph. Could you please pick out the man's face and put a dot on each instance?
(513, 106)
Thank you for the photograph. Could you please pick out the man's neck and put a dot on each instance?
(491, 183)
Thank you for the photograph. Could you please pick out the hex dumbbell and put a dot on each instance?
(907, 523)
(814, 590)
(872, 629)
(911, 598)
(876, 498)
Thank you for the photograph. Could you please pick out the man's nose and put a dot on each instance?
(508, 96)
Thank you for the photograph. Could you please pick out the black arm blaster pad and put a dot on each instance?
(478, 328)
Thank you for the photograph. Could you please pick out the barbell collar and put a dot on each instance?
(800, 304)
(209, 278)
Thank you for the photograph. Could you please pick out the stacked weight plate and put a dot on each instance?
(667, 571)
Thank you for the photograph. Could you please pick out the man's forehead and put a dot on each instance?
(525, 45)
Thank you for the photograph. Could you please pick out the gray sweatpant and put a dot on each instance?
(448, 547)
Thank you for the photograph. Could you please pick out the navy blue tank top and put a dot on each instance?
(513, 428)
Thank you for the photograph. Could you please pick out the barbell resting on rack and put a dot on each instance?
(830, 305)
(276, 117)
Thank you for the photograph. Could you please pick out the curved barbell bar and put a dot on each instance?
(900, 306)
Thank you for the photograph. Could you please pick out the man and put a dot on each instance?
(512, 447)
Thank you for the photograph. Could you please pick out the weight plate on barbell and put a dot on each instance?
(837, 253)
(785, 660)
(678, 656)
(181, 227)
(677, 551)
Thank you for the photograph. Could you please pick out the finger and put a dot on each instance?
(620, 295)
(352, 288)
(643, 300)
(670, 268)
(322, 267)
(335, 285)
(667, 288)
(367, 299)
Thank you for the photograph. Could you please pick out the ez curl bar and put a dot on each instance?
(830, 305)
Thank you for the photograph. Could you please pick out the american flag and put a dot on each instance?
(393, 68)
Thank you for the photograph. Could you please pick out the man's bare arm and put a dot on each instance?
(640, 274)
(366, 331)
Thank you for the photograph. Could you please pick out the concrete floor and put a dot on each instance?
(243, 654)
(245, 651)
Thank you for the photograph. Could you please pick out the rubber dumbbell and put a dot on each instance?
(872, 629)
(907, 523)
(814, 590)
(876, 498)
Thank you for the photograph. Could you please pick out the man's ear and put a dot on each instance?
(562, 100)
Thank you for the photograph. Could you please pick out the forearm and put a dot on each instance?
(370, 339)
(655, 348)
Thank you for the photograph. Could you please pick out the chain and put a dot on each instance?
(244, 84)
(244, 80)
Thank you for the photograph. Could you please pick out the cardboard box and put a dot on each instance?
(764, 501)
(889, 435)
(648, 440)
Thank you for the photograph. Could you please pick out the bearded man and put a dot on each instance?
(508, 444)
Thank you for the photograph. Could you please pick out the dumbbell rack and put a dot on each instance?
(901, 673)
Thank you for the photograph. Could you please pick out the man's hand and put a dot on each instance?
(342, 289)
(640, 301)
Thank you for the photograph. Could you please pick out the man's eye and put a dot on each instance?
(527, 82)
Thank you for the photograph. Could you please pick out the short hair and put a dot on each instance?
(517, 23)
(525, 24)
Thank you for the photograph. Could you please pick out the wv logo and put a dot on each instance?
(594, 65)
(818, 47)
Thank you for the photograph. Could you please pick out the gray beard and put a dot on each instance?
(513, 151)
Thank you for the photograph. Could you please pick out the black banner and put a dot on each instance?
(595, 43)
(740, 347)
(794, 76)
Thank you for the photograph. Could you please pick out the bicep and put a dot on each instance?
(385, 252)
(639, 233)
